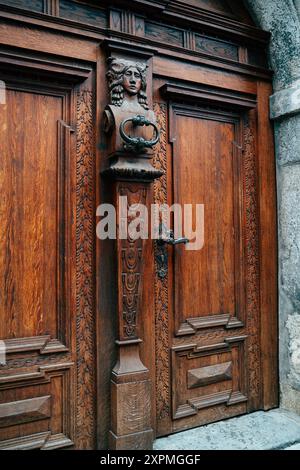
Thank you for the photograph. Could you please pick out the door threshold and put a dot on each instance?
(262, 430)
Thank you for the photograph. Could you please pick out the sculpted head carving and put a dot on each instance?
(129, 79)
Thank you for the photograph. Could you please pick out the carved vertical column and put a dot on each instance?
(131, 171)
(130, 384)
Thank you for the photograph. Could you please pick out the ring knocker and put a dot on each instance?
(138, 144)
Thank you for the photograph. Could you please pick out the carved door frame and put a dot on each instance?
(93, 290)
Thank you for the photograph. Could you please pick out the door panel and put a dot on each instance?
(209, 344)
(32, 249)
(47, 324)
(29, 251)
(204, 172)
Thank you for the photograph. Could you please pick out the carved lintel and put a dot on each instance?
(119, 49)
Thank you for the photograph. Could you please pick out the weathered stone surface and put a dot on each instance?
(289, 272)
(276, 429)
(285, 102)
(293, 326)
(289, 232)
(287, 142)
(290, 398)
(282, 19)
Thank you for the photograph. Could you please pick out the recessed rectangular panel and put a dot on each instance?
(209, 375)
(33, 5)
(85, 14)
(163, 33)
(49, 411)
(24, 411)
(216, 48)
(204, 174)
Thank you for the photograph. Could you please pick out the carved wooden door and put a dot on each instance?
(213, 360)
(47, 332)
(206, 318)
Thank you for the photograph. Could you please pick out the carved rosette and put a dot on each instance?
(161, 276)
(85, 295)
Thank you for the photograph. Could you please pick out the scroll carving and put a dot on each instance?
(252, 257)
(85, 249)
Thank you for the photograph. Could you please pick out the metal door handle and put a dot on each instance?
(170, 240)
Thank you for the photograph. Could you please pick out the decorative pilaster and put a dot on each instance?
(129, 125)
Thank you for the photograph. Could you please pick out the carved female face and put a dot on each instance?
(132, 81)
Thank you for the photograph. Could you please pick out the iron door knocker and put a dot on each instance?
(138, 144)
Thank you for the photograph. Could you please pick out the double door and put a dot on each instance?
(208, 321)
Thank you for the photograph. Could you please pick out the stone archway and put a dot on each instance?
(282, 19)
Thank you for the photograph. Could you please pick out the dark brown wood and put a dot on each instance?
(81, 13)
(24, 411)
(268, 249)
(137, 28)
(51, 7)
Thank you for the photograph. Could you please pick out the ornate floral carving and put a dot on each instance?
(31, 361)
(131, 255)
(252, 258)
(85, 309)
(161, 276)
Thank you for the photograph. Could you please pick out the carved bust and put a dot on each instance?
(127, 83)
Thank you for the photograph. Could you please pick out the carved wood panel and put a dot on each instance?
(208, 376)
(131, 263)
(85, 270)
(161, 278)
(50, 411)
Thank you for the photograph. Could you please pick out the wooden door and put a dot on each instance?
(46, 279)
(213, 360)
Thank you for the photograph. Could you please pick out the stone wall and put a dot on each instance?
(282, 19)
